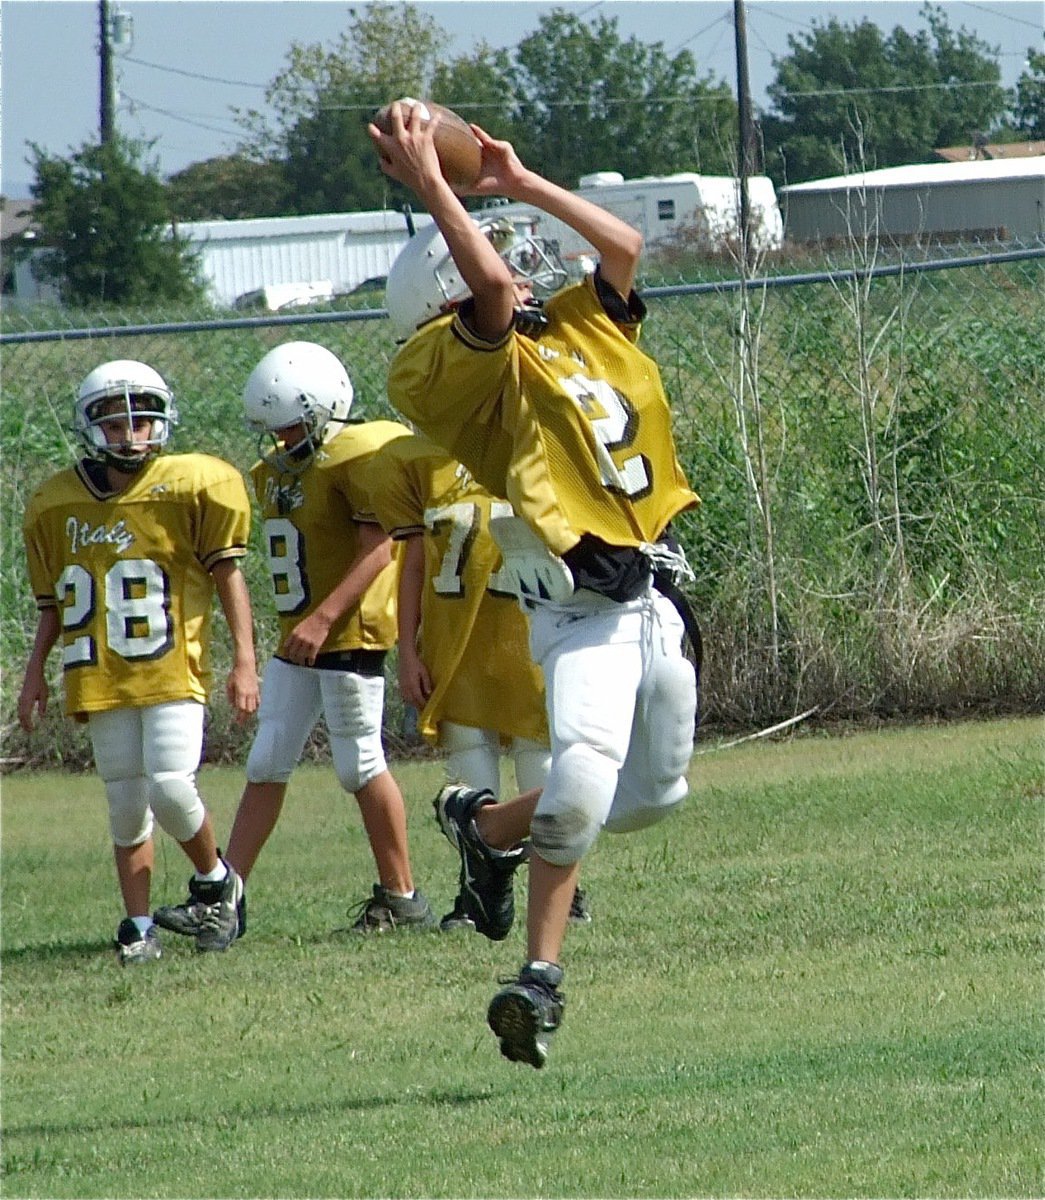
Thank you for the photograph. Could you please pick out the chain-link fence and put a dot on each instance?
(866, 437)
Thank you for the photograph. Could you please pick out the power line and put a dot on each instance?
(997, 12)
(471, 106)
(141, 62)
(165, 112)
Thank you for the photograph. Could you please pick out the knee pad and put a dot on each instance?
(532, 763)
(353, 706)
(574, 804)
(176, 802)
(273, 753)
(473, 756)
(130, 818)
(357, 760)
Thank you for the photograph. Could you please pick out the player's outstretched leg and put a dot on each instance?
(487, 875)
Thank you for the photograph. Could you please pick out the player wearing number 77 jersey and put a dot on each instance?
(464, 661)
(126, 550)
(556, 410)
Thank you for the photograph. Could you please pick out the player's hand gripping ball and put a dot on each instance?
(458, 149)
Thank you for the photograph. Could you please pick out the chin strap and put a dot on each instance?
(531, 320)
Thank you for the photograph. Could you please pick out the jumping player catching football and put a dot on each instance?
(553, 408)
(126, 550)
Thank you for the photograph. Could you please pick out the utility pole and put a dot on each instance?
(107, 78)
(746, 128)
(115, 36)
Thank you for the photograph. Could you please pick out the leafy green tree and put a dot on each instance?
(1030, 97)
(103, 215)
(572, 97)
(230, 187)
(323, 97)
(478, 86)
(849, 93)
(588, 100)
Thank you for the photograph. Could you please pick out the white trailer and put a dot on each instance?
(704, 208)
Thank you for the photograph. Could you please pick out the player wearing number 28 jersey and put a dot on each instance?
(126, 551)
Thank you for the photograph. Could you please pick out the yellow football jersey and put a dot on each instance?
(572, 428)
(311, 536)
(130, 575)
(474, 638)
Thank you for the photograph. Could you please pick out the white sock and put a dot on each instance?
(142, 924)
(215, 876)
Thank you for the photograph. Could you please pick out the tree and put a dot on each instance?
(230, 187)
(587, 100)
(478, 86)
(103, 214)
(572, 97)
(322, 99)
(1030, 97)
(899, 96)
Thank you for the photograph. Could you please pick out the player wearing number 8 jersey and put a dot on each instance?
(126, 551)
(333, 580)
(555, 409)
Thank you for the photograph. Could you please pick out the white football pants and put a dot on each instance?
(147, 759)
(473, 757)
(622, 703)
(293, 698)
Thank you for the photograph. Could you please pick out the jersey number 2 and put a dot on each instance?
(615, 429)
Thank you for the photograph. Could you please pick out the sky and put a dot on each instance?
(193, 61)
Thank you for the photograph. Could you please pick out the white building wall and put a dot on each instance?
(344, 249)
(953, 198)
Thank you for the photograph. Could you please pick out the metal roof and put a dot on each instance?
(378, 221)
(924, 174)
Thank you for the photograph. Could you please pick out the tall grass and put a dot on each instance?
(821, 978)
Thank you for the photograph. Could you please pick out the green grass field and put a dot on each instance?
(822, 978)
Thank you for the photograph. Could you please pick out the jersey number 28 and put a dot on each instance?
(138, 623)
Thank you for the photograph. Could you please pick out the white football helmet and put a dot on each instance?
(424, 280)
(297, 383)
(141, 393)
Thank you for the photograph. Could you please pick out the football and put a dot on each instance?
(459, 151)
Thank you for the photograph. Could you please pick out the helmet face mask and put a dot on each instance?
(424, 281)
(296, 385)
(531, 259)
(128, 394)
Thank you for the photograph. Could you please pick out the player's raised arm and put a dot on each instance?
(618, 244)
